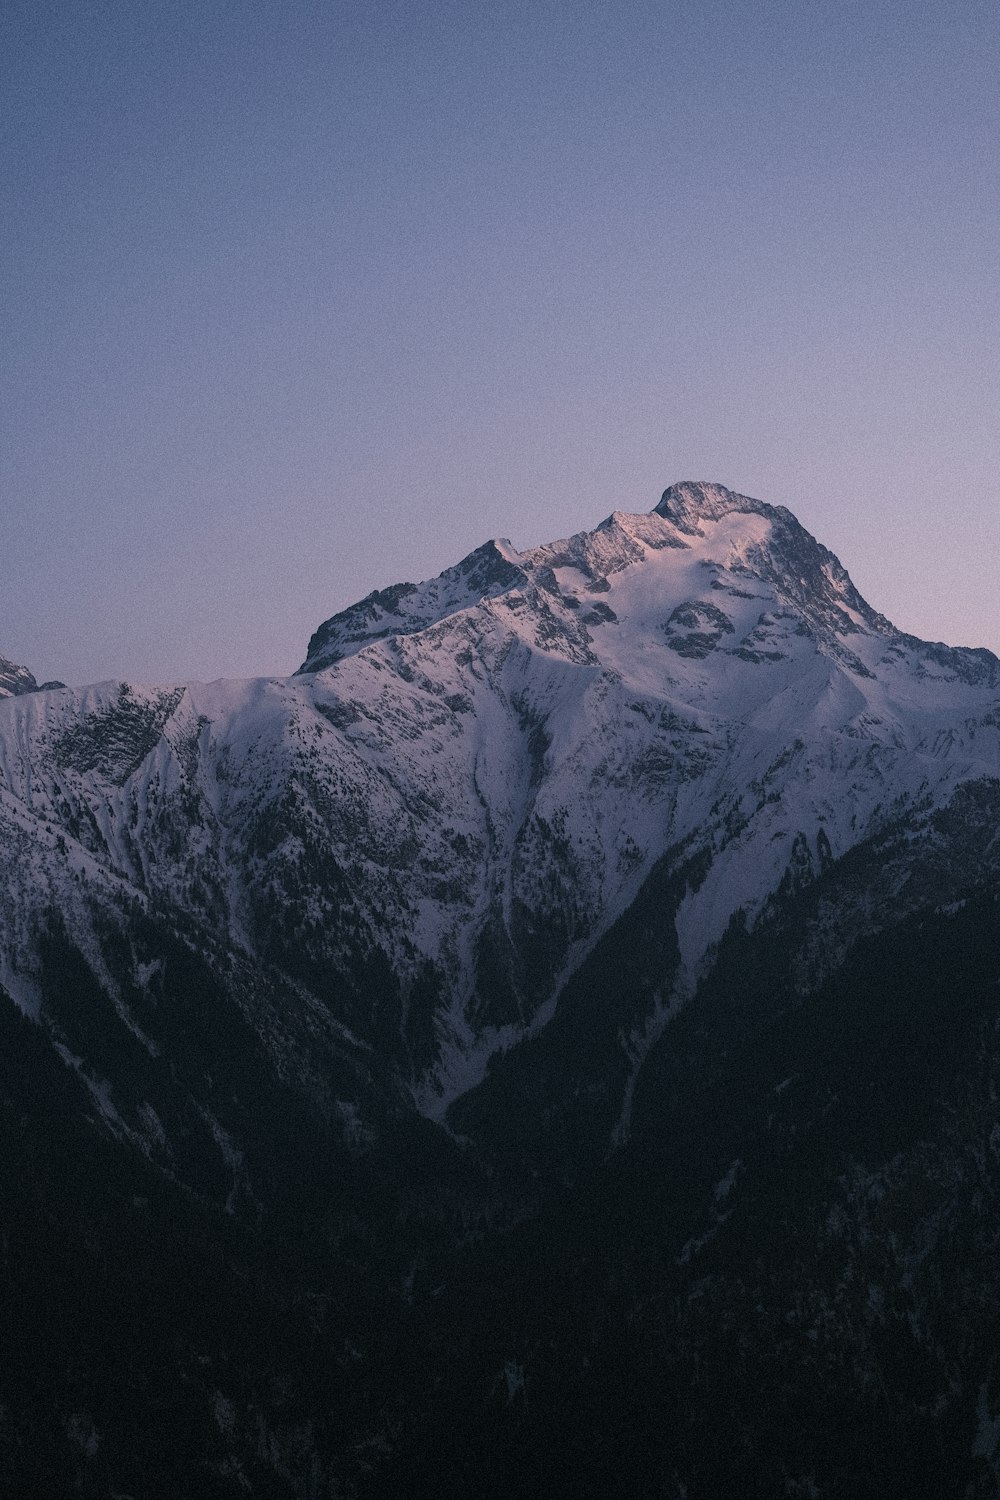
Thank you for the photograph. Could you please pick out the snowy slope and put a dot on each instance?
(418, 837)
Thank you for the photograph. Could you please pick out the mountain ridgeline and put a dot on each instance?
(547, 1046)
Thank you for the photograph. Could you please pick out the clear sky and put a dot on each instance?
(300, 299)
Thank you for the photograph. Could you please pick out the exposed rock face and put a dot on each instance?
(15, 680)
(421, 936)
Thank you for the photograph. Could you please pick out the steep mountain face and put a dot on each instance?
(508, 907)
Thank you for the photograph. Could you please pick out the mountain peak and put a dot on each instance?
(691, 501)
(746, 548)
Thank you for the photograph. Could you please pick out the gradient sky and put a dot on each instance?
(301, 298)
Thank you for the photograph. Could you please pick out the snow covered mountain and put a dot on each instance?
(471, 779)
(550, 851)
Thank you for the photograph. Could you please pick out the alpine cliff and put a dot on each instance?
(557, 1024)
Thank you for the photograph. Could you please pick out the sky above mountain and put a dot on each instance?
(300, 300)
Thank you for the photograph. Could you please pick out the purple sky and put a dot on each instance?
(301, 299)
